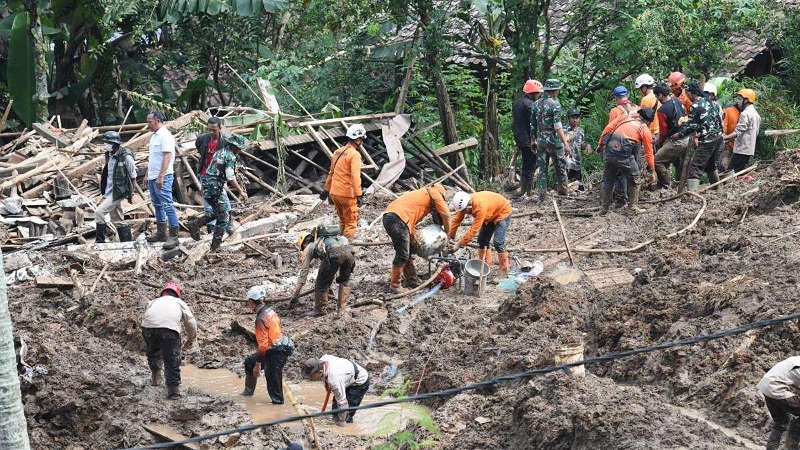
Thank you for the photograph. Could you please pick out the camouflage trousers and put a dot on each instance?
(212, 194)
(559, 159)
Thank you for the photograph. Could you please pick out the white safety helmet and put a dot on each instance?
(644, 80)
(256, 293)
(460, 201)
(711, 88)
(356, 131)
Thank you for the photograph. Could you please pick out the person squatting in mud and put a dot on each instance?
(161, 330)
(274, 348)
(400, 220)
(221, 170)
(780, 387)
(344, 378)
(336, 255)
(491, 216)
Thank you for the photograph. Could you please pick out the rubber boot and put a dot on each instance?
(561, 189)
(195, 224)
(394, 282)
(793, 436)
(124, 233)
(344, 292)
(633, 201)
(161, 233)
(230, 228)
(713, 177)
(156, 377)
(774, 439)
(410, 274)
(605, 200)
(521, 192)
(503, 265)
(172, 240)
(320, 302)
(541, 194)
(100, 232)
(173, 391)
(693, 184)
(250, 383)
(209, 228)
(216, 243)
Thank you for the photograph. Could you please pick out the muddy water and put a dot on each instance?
(310, 395)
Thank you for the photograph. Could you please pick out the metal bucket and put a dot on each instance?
(429, 241)
(569, 354)
(476, 273)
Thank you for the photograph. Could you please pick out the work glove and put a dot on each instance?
(360, 201)
(130, 198)
(453, 248)
(323, 195)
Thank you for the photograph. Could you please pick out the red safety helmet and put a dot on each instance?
(447, 278)
(676, 78)
(172, 286)
(532, 87)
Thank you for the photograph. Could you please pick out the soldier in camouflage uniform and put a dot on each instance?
(705, 121)
(222, 170)
(551, 140)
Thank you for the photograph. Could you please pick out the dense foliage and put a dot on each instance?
(94, 59)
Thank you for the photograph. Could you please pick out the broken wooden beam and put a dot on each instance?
(53, 282)
(44, 131)
(318, 122)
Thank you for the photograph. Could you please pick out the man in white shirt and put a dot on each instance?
(160, 168)
(780, 387)
(746, 131)
(161, 329)
(347, 381)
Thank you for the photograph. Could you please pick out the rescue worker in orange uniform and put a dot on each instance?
(729, 121)
(400, 220)
(676, 81)
(624, 106)
(621, 141)
(491, 215)
(273, 348)
(344, 181)
(645, 83)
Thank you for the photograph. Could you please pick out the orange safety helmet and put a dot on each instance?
(533, 87)
(172, 286)
(676, 78)
(749, 94)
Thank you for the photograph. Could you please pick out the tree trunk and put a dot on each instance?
(39, 62)
(13, 428)
(490, 150)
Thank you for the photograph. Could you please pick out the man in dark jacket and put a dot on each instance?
(207, 144)
(116, 184)
(521, 114)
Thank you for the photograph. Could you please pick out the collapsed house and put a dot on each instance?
(51, 176)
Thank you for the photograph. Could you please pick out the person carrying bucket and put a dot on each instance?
(491, 216)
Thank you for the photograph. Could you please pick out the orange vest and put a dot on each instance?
(413, 206)
(344, 176)
(487, 207)
(268, 329)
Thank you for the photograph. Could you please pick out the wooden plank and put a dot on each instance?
(43, 131)
(53, 282)
(302, 139)
(315, 123)
(456, 147)
(319, 141)
(168, 434)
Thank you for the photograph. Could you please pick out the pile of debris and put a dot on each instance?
(51, 176)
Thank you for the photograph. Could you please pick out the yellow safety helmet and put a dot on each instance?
(749, 94)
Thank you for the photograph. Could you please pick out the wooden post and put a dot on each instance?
(563, 233)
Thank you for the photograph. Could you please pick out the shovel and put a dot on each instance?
(313, 209)
(325, 404)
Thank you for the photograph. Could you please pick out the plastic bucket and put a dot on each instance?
(475, 274)
(569, 354)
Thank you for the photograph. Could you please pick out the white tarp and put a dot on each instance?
(392, 170)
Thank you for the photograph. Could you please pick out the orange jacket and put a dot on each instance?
(488, 207)
(687, 102)
(413, 206)
(729, 124)
(650, 101)
(624, 108)
(633, 129)
(344, 177)
(268, 329)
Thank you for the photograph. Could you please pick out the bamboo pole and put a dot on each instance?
(563, 233)
(311, 429)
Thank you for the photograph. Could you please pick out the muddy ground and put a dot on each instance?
(734, 267)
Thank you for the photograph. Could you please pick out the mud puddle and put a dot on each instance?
(565, 275)
(698, 415)
(310, 395)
